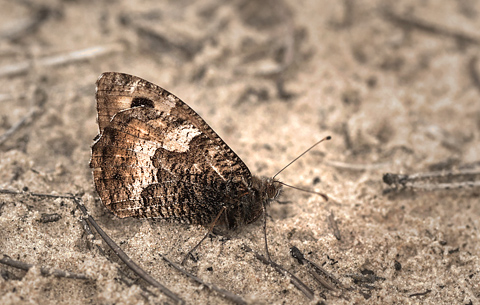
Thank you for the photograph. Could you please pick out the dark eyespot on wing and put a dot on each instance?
(141, 101)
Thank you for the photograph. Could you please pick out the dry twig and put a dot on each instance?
(315, 270)
(40, 98)
(224, 293)
(123, 277)
(474, 75)
(124, 257)
(45, 271)
(15, 192)
(293, 279)
(355, 167)
(332, 223)
(62, 59)
(430, 181)
(418, 24)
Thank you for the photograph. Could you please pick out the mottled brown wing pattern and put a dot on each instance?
(156, 157)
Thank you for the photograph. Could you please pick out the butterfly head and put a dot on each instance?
(272, 189)
(262, 191)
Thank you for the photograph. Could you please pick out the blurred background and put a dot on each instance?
(395, 83)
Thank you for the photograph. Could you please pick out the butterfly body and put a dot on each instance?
(155, 157)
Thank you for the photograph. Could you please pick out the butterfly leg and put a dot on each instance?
(206, 235)
(265, 231)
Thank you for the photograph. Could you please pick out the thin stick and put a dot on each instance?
(356, 167)
(444, 186)
(401, 179)
(39, 99)
(45, 271)
(419, 294)
(425, 26)
(123, 277)
(224, 293)
(15, 192)
(333, 224)
(441, 180)
(57, 60)
(314, 269)
(125, 258)
(293, 279)
(26, 120)
(365, 278)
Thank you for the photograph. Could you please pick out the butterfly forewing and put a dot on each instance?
(155, 157)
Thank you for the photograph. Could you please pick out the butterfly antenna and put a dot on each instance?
(304, 190)
(301, 155)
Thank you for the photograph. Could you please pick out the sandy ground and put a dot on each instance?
(395, 83)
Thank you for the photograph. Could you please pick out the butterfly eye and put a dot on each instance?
(271, 191)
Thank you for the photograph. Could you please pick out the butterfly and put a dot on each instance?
(155, 157)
